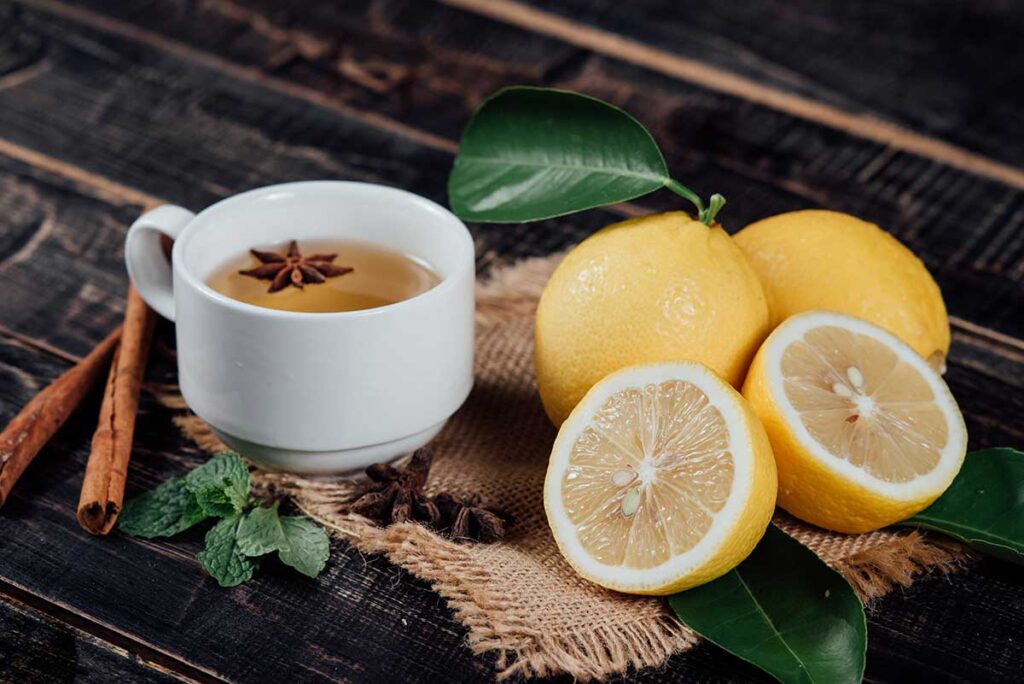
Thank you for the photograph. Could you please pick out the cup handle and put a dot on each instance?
(148, 268)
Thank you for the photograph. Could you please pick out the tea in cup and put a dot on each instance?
(324, 374)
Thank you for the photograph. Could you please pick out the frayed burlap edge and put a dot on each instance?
(512, 292)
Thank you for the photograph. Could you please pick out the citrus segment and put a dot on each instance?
(661, 479)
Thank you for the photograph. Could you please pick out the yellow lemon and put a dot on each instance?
(661, 479)
(657, 288)
(865, 432)
(830, 261)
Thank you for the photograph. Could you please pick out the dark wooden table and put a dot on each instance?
(906, 113)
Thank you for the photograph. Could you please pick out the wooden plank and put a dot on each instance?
(72, 577)
(362, 620)
(961, 628)
(42, 650)
(218, 135)
(86, 577)
(61, 259)
(949, 71)
(155, 598)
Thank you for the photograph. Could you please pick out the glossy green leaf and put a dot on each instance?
(984, 506)
(785, 611)
(535, 153)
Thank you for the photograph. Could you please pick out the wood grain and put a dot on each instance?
(919, 73)
(361, 618)
(192, 101)
(41, 650)
(61, 259)
(967, 229)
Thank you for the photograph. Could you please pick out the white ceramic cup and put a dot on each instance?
(314, 392)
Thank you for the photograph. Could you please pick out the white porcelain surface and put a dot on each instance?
(314, 392)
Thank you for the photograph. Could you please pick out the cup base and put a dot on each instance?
(339, 462)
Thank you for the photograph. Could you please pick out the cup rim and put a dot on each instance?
(447, 283)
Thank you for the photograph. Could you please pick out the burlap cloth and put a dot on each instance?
(518, 598)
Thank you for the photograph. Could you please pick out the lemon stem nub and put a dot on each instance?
(706, 214)
(715, 205)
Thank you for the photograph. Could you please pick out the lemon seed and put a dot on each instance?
(841, 389)
(621, 478)
(631, 502)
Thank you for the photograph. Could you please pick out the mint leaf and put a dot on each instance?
(299, 541)
(161, 512)
(260, 532)
(221, 485)
(222, 557)
(307, 545)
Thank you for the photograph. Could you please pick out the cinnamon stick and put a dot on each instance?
(33, 427)
(103, 487)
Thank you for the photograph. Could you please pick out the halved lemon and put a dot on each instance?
(865, 432)
(661, 479)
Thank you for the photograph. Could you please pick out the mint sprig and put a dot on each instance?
(247, 528)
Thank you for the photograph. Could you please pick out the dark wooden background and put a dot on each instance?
(906, 113)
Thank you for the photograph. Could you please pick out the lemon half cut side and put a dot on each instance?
(865, 433)
(661, 479)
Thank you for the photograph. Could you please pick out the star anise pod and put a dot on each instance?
(294, 269)
(471, 518)
(396, 495)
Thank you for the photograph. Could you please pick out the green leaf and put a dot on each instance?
(308, 548)
(260, 532)
(299, 541)
(984, 506)
(535, 153)
(221, 485)
(784, 611)
(161, 512)
(222, 558)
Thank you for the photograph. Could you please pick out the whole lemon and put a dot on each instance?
(657, 288)
(830, 261)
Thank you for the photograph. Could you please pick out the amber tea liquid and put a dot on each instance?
(379, 277)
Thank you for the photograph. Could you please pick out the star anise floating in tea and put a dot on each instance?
(294, 269)
(396, 495)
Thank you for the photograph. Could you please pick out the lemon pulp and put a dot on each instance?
(649, 475)
(863, 404)
(864, 431)
(659, 480)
